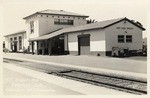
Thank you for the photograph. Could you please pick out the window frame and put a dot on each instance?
(32, 27)
(123, 39)
(15, 38)
(129, 38)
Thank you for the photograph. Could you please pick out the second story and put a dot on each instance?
(47, 21)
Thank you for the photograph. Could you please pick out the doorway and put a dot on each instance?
(84, 44)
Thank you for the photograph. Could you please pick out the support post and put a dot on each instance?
(37, 47)
(43, 47)
(49, 47)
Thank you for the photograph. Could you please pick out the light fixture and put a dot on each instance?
(125, 21)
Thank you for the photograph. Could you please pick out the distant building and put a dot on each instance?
(17, 41)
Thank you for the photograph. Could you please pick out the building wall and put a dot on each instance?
(25, 41)
(112, 36)
(36, 28)
(44, 24)
(7, 43)
(97, 41)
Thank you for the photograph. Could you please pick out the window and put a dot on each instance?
(15, 38)
(20, 42)
(129, 38)
(120, 38)
(63, 21)
(32, 26)
(11, 39)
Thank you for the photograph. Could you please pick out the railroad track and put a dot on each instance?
(113, 82)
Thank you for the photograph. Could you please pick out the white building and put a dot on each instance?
(101, 37)
(17, 41)
(49, 21)
(60, 32)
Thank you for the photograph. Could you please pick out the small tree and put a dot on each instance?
(138, 23)
(91, 21)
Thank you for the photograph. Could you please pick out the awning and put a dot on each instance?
(48, 36)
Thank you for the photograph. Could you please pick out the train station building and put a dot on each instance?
(56, 32)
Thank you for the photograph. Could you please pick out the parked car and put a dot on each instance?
(120, 52)
(6, 50)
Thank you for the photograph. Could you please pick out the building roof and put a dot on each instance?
(97, 25)
(56, 12)
(19, 32)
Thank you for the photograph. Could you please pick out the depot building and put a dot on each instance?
(57, 32)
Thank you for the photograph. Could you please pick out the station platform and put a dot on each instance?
(122, 67)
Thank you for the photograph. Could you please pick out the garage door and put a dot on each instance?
(84, 45)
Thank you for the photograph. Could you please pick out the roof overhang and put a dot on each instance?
(19, 32)
(85, 16)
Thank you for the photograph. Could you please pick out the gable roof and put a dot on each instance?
(57, 12)
(97, 25)
(19, 32)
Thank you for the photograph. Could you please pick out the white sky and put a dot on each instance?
(15, 10)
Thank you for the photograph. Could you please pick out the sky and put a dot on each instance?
(13, 11)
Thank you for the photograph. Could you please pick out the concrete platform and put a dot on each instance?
(123, 67)
(53, 84)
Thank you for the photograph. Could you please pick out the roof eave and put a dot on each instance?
(64, 14)
(30, 15)
(14, 33)
(127, 20)
(135, 24)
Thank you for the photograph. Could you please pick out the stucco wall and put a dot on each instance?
(36, 28)
(44, 24)
(112, 36)
(97, 40)
(7, 43)
(25, 43)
